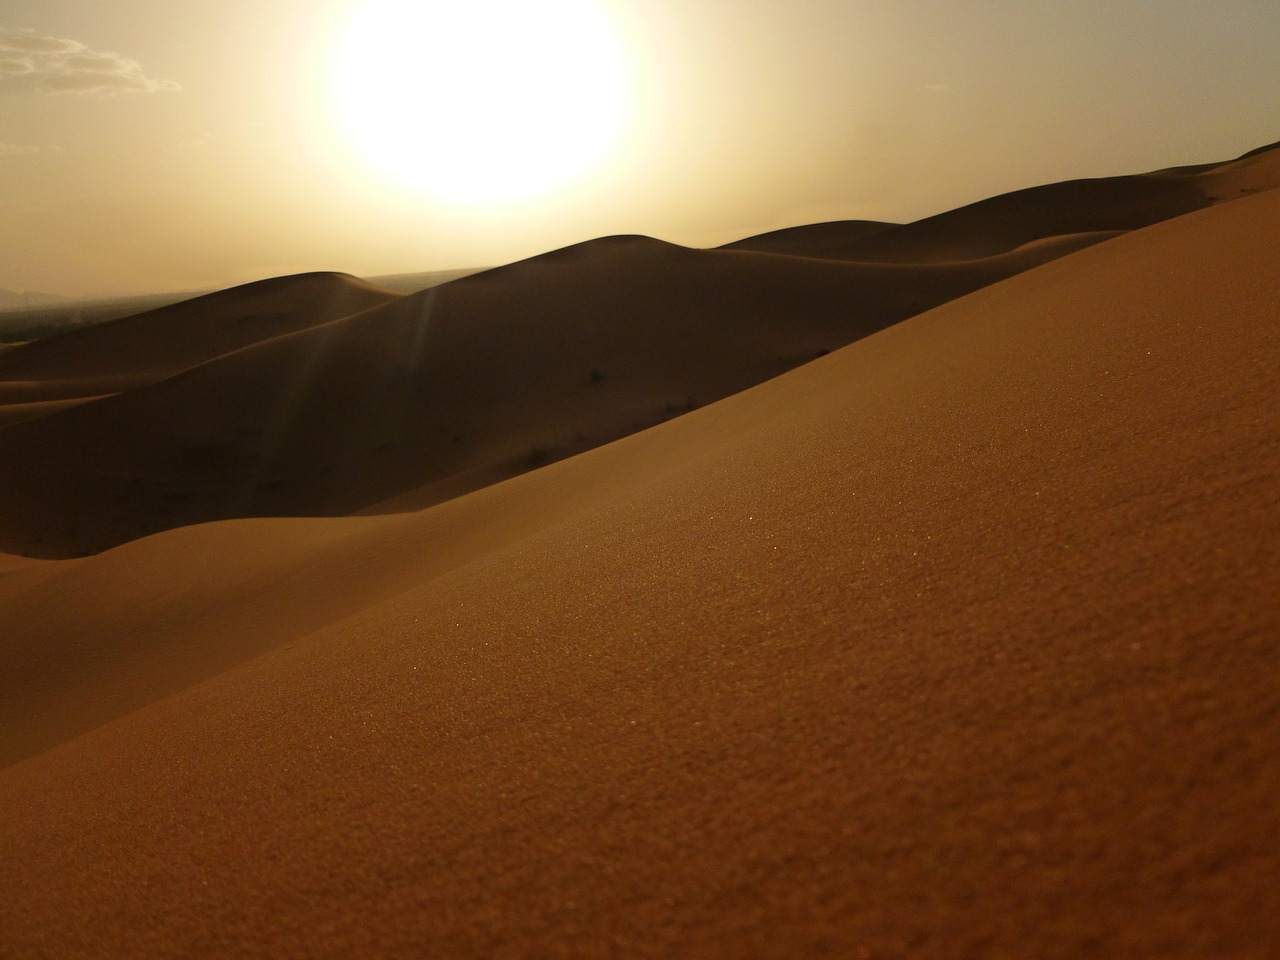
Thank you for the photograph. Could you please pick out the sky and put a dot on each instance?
(148, 146)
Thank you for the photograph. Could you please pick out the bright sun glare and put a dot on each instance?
(481, 102)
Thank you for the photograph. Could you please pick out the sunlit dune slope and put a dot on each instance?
(960, 641)
(436, 393)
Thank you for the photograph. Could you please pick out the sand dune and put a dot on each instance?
(424, 397)
(957, 641)
(151, 346)
(1077, 207)
(323, 395)
(17, 411)
(811, 239)
(19, 321)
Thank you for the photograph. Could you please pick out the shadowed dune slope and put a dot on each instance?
(811, 239)
(151, 346)
(446, 390)
(960, 641)
(34, 323)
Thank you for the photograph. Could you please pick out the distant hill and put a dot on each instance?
(414, 282)
(13, 300)
(34, 316)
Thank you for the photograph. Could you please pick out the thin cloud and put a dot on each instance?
(26, 41)
(94, 63)
(56, 65)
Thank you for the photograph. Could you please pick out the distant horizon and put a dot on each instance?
(53, 299)
(135, 161)
(44, 298)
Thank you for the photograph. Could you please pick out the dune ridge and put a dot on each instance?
(147, 347)
(956, 640)
(810, 239)
(1002, 223)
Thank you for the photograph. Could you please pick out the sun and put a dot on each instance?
(481, 102)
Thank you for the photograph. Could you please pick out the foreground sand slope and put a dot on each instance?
(960, 641)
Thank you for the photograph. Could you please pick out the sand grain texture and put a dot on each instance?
(960, 641)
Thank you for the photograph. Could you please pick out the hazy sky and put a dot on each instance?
(147, 145)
